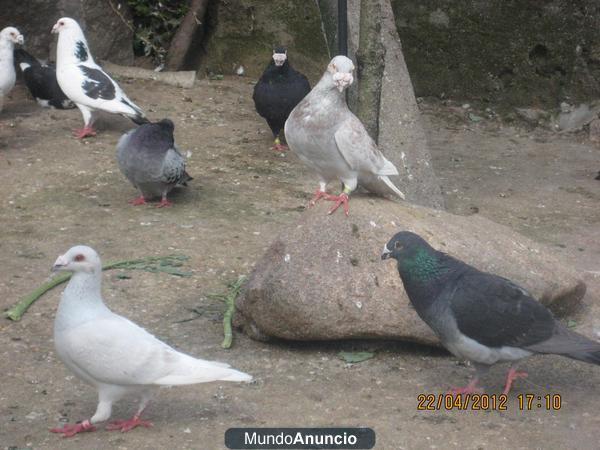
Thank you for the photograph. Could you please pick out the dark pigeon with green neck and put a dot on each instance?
(479, 316)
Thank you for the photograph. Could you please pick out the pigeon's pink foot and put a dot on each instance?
(164, 203)
(511, 376)
(128, 425)
(319, 194)
(138, 201)
(341, 199)
(280, 148)
(84, 132)
(71, 430)
(470, 388)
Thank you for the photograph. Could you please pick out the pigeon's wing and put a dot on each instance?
(173, 168)
(114, 350)
(496, 312)
(359, 150)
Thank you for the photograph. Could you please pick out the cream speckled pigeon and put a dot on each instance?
(113, 354)
(84, 81)
(479, 316)
(9, 36)
(331, 140)
(149, 158)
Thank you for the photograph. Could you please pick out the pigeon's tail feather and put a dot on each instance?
(591, 357)
(388, 168)
(139, 119)
(189, 370)
(184, 179)
(568, 343)
(391, 185)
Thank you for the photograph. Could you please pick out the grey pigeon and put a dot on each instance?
(479, 316)
(149, 158)
(332, 141)
(9, 36)
(113, 354)
(84, 81)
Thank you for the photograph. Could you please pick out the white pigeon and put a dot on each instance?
(9, 36)
(84, 81)
(332, 141)
(112, 353)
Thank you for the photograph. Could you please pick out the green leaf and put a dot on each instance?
(355, 357)
(571, 324)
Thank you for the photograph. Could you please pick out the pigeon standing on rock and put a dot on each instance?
(478, 316)
(113, 354)
(85, 83)
(40, 79)
(9, 36)
(149, 158)
(277, 92)
(331, 140)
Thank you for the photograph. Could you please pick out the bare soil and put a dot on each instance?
(58, 192)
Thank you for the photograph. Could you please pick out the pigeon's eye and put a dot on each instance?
(397, 245)
(79, 258)
(61, 23)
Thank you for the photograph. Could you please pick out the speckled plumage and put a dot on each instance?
(149, 158)
(331, 140)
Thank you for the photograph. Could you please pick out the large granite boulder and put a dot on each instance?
(103, 22)
(323, 278)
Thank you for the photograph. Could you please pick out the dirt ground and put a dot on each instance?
(57, 192)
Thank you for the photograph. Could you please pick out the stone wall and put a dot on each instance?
(510, 52)
(103, 22)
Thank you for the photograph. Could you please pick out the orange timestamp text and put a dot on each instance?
(487, 402)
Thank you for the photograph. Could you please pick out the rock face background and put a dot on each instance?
(245, 31)
(106, 32)
(514, 53)
(323, 278)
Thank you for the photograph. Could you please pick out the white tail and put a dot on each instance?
(189, 370)
(391, 185)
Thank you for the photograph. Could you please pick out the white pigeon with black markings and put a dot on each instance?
(9, 36)
(332, 141)
(84, 81)
(149, 158)
(113, 354)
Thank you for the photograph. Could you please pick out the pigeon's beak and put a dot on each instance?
(60, 264)
(20, 39)
(55, 28)
(386, 254)
(342, 80)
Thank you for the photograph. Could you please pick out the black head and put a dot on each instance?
(24, 60)
(167, 125)
(404, 244)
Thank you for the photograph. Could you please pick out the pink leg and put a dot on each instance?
(470, 388)
(280, 147)
(138, 201)
(341, 199)
(128, 425)
(84, 132)
(319, 194)
(71, 430)
(164, 203)
(511, 376)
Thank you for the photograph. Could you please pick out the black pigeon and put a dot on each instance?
(149, 158)
(279, 89)
(40, 79)
(479, 316)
